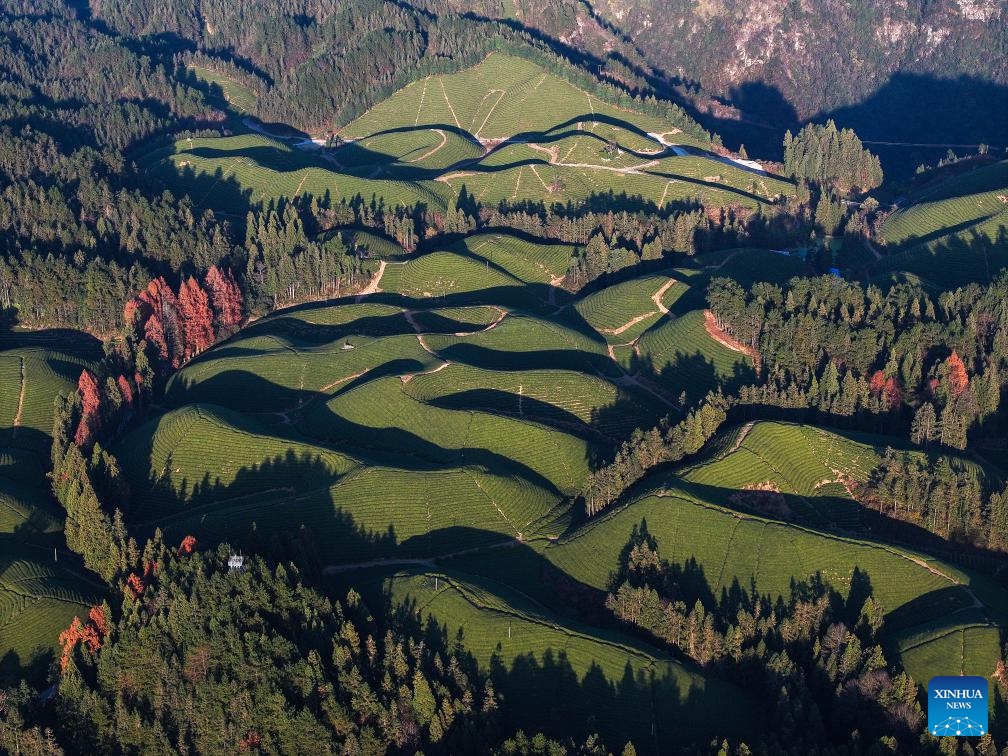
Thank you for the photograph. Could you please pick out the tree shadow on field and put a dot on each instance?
(542, 659)
(34, 669)
(947, 259)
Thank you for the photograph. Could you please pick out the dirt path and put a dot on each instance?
(444, 141)
(634, 170)
(501, 314)
(725, 340)
(873, 249)
(630, 324)
(457, 175)
(223, 176)
(545, 185)
(20, 409)
(723, 262)
(301, 182)
(741, 438)
(336, 383)
(518, 182)
(407, 377)
(661, 293)
(661, 202)
(372, 288)
(448, 102)
(334, 569)
(423, 94)
(553, 152)
(490, 112)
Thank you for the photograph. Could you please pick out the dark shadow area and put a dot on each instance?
(34, 669)
(948, 259)
(545, 689)
(913, 110)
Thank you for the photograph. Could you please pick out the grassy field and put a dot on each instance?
(503, 130)
(38, 595)
(239, 97)
(623, 311)
(448, 422)
(682, 356)
(554, 672)
(953, 232)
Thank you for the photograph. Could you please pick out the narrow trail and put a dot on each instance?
(501, 314)
(627, 325)
(456, 175)
(334, 384)
(490, 112)
(301, 182)
(448, 102)
(223, 176)
(372, 287)
(741, 438)
(423, 94)
(555, 282)
(518, 182)
(873, 249)
(335, 569)
(630, 170)
(429, 153)
(723, 262)
(657, 297)
(20, 409)
(553, 152)
(661, 202)
(545, 185)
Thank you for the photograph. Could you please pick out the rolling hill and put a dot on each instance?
(433, 435)
(41, 589)
(505, 130)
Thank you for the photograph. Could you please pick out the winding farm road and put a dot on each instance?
(372, 287)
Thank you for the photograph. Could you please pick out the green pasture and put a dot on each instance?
(682, 356)
(39, 595)
(554, 671)
(623, 311)
(237, 95)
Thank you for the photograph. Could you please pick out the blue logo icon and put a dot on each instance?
(957, 706)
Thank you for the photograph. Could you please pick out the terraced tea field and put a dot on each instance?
(38, 595)
(954, 232)
(734, 548)
(432, 437)
(607, 680)
(505, 130)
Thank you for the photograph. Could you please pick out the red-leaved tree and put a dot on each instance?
(188, 545)
(197, 318)
(126, 390)
(958, 378)
(159, 311)
(90, 420)
(226, 298)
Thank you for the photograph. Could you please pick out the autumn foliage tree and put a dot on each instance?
(177, 327)
(958, 378)
(90, 633)
(197, 318)
(90, 394)
(226, 299)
